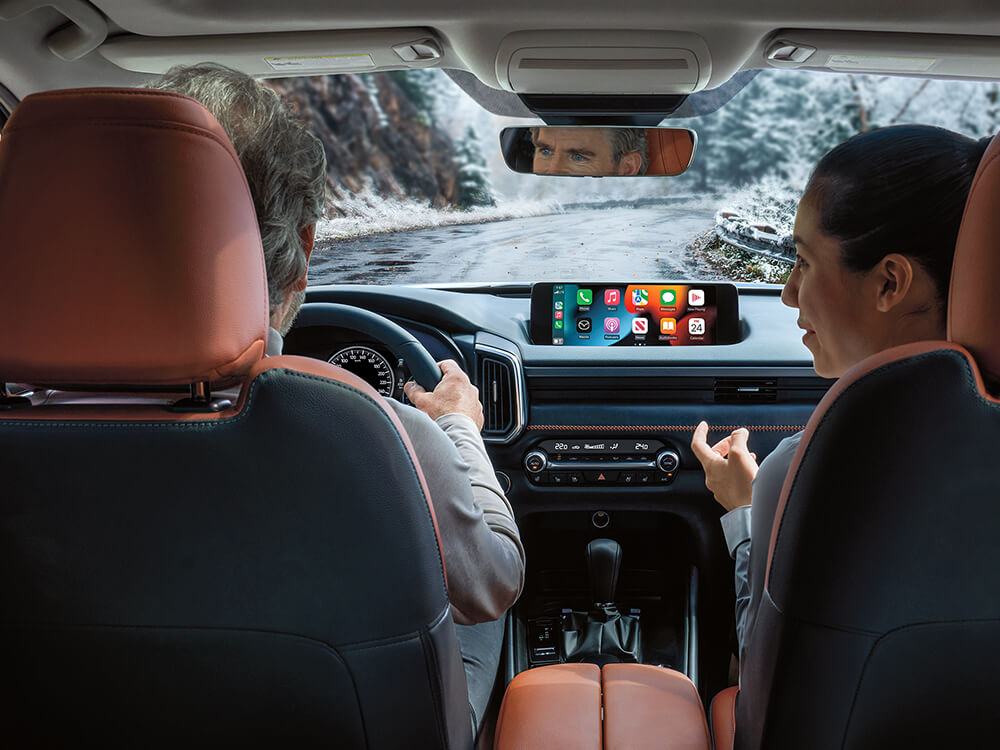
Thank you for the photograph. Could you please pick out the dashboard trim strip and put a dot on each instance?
(665, 427)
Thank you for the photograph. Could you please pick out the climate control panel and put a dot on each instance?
(619, 461)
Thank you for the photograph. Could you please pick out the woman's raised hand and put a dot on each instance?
(729, 466)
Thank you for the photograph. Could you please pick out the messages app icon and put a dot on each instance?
(584, 296)
(668, 297)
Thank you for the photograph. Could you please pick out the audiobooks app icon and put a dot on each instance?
(668, 326)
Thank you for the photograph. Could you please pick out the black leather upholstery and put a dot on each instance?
(879, 626)
(269, 579)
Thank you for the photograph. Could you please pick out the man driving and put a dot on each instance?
(597, 152)
(285, 166)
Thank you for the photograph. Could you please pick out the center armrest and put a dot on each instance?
(619, 707)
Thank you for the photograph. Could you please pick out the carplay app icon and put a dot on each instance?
(612, 297)
(668, 297)
(696, 326)
(640, 297)
(583, 325)
(640, 325)
(584, 296)
(612, 325)
(696, 297)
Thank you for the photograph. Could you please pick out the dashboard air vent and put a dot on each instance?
(746, 390)
(500, 392)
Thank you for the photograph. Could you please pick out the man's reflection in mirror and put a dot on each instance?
(589, 151)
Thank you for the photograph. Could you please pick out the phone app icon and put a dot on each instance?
(668, 297)
(696, 326)
(557, 324)
(559, 314)
(584, 296)
(612, 325)
(640, 325)
(640, 297)
(612, 297)
(696, 298)
(583, 325)
(668, 326)
(559, 304)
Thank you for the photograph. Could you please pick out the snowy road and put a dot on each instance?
(621, 243)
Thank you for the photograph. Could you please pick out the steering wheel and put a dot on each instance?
(396, 338)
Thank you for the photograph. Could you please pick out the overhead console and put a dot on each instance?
(634, 314)
(603, 62)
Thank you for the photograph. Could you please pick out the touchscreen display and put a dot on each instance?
(634, 314)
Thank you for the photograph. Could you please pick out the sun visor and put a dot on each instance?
(283, 54)
(937, 55)
(606, 62)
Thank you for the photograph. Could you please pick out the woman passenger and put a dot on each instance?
(875, 234)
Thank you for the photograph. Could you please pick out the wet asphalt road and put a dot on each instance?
(621, 243)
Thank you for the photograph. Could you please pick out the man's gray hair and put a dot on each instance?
(625, 141)
(284, 162)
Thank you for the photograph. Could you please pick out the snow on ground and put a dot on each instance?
(369, 214)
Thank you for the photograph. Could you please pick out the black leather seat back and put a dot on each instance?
(268, 575)
(880, 623)
(272, 578)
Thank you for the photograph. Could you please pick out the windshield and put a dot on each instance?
(420, 193)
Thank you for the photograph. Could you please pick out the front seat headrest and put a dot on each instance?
(131, 253)
(974, 297)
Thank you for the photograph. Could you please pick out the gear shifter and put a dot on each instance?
(604, 562)
(603, 635)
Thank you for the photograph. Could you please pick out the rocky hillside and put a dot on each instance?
(380, 137)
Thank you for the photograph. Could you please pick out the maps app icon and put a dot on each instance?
(640, 297)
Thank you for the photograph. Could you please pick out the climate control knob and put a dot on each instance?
(536, 461)
(668, 461)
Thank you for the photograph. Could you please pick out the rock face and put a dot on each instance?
(376, 137)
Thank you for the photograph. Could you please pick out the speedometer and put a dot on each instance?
(368, 365)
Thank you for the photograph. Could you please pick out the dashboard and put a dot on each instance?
(592, 442)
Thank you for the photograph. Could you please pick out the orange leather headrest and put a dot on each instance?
(131, 253)
(668, 151)
(974, 297)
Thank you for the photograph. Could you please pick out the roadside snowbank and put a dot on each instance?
(369, 214)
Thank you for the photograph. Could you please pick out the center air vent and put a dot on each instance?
(500, 392)
(746, 390)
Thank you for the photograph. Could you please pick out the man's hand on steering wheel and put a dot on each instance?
(455, 394)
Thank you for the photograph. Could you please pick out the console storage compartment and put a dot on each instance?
(582, 707)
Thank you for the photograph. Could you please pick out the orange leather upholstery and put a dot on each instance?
(557, 707)
(668, 151)
(154, 273)
(973, 302)
(650, 707)
(564, 705)
(724, 718)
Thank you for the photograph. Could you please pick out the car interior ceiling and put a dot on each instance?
(592, 446)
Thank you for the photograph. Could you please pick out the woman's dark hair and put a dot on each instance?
(900, 189)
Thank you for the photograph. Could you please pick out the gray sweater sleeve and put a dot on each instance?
(483, 554)
(736, 528)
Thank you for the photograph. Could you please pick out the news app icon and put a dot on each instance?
(584, 297)
(668, 297)
(696, 297)
(668, 326)
(612, 297)
(640, 297)
(583, 325)
(640, 326)
(612, 325)
(696, 326)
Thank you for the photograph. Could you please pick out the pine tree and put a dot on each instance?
(474, 187)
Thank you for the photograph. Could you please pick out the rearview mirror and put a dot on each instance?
(588, 151)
